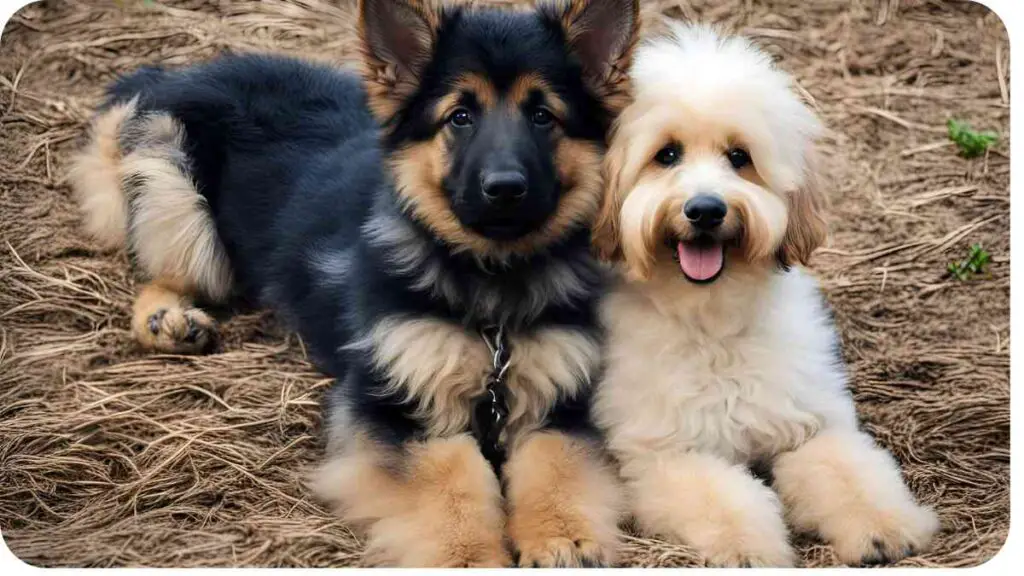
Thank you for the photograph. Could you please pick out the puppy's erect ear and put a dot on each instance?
(807, 228)
(397, 39)
(602, 34)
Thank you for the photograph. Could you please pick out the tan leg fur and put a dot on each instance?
(564, 503)
(435, 504)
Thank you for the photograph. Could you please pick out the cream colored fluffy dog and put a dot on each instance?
(721, 356)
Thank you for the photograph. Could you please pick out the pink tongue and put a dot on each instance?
(700, 262)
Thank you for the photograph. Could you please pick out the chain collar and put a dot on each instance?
(490, 409)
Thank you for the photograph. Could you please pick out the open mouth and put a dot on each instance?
(701, 260)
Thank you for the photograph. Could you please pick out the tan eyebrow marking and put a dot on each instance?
(477, 85)
(530, 82)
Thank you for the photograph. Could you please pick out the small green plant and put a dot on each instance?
(976, 261)
(971, 143)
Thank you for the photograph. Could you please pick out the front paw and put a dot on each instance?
(562, 552)
(410, 542)
(749, 548)
(491, 558)
(737, 523)
(850, 491)
(429, 553)
(564, 503)
(884, 536)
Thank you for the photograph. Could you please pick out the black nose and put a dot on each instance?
(504, 188)
(705, 212)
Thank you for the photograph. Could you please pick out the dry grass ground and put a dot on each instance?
(109, 456)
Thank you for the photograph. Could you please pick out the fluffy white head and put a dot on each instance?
(729, 80)
(712, 117)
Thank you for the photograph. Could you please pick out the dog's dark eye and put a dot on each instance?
(461, 118)
(738, 157)
(669, 155)
(542, 117)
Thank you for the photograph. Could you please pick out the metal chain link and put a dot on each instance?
(500, 358)
(490, 410)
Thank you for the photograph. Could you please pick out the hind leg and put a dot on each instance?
(173, 239)
(134, 185)
(164, 319)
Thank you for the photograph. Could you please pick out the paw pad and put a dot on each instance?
(178, 331)
(155, 319)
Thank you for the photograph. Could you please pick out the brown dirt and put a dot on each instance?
(109, 456)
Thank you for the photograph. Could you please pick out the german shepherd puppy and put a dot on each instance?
(426, 231)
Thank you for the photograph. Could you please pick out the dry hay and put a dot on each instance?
(112, 457)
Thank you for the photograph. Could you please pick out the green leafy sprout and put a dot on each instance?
(971, 142)
(976, 261)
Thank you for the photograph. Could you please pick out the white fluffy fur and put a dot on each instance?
(724, 369)
(704, 380)
(727, 79)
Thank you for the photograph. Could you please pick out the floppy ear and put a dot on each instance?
(807, 228)
(605, 234)
(397, 39)
(602, 34)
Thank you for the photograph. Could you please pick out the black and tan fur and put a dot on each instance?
(390, 218)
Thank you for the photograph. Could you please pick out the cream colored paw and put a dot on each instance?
(871, 536)
(850, 491)
(748, 546)
(718, 508)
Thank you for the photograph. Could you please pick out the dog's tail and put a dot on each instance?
(133, 183)
(95, 174)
